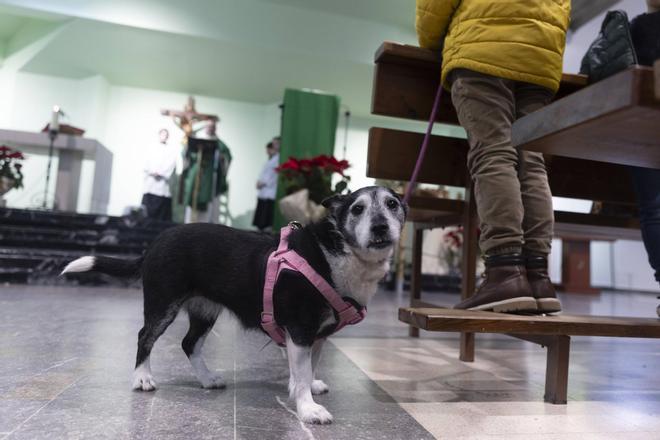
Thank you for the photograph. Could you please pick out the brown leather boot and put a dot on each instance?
(505, 288)
(542, 288)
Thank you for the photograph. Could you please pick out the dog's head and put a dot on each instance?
(369, 219)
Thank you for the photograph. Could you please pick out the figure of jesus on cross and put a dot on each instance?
(186, 120)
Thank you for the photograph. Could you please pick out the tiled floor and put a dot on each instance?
(614, 385)
(66, 357)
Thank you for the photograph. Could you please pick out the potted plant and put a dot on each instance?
(451, 250)
(11, 175)
(307, 182)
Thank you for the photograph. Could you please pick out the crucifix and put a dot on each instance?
(185, 120)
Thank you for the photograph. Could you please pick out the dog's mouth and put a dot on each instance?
(379, 243)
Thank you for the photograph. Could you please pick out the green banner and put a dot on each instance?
(309, 125)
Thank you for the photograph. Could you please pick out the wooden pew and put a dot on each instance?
(553, 332)
(392, 155)
(407, 77)
(405, 81)
(614, 120)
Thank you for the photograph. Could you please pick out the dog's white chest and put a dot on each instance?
(353, 278)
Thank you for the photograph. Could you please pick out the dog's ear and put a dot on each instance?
(333, 203)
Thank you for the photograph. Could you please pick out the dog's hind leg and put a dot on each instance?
(318, 386)
(156, 319)
(202, 315)
(300, 365)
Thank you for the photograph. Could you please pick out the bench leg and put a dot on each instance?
(556, 373)
(467, 347)
(416, 275)
(469, 265)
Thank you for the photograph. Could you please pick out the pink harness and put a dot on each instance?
(285, 258)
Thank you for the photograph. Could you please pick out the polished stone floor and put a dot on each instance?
(66, 358)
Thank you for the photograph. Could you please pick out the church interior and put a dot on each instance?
(123, 121)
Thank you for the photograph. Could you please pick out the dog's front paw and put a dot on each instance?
(213, 381)
(314, 413)
(143, 382)
(319, 387)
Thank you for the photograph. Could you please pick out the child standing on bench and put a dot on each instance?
(501, 61)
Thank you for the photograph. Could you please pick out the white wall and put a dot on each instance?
(30, 110)
(125, 120)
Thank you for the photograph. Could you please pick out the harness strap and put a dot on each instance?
(284, 258)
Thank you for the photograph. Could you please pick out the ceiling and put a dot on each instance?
(248, 50)
(399, 13)
(9, 25)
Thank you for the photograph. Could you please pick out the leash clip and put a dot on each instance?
(295, 225)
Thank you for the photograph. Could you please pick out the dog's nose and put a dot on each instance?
(380, 229)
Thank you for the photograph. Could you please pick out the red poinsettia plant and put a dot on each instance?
(314, 174)
(10, 167)
(452, 250)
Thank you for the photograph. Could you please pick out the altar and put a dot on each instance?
(71, 150)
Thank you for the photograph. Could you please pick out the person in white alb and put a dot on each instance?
(161, 161)
(267, 188)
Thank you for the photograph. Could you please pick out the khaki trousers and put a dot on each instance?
(513, 197)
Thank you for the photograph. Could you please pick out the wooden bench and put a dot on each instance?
(614, 120)
(405, 82)
(553, 332)
(392, 155)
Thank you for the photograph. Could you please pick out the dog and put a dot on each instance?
(205, 268)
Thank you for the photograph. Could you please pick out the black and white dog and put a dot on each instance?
(204, 268)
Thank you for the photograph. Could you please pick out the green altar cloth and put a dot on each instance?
(206, 180)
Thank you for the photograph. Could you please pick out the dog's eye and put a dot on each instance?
(392, 204)
(357, 209)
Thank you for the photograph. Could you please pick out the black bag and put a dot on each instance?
(613, 50)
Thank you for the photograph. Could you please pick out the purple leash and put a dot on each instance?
(425, 144)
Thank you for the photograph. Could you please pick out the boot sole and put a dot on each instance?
(519, 304)
(548, 305)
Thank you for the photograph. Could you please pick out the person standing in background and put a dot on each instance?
(213, 179)
(267, 188)
(161, 161)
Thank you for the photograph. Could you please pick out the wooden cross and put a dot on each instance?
(185, 120)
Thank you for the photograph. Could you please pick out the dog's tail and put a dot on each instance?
(107, 265)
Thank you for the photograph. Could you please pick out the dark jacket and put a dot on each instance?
(645, 31)
(621, 44)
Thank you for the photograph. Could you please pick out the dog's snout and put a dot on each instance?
(380, 229)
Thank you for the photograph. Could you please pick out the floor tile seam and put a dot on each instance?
(394, 399)
(39, 373)
(20, 425)
(308, 432)
(399, 403)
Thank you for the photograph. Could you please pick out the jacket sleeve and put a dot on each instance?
(432, 20)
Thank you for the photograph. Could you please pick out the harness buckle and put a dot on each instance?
(295, 225)
(266, 317)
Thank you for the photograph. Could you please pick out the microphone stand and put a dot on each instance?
(53, 130)
(52, 135)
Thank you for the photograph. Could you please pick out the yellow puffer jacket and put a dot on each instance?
(522, 40)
